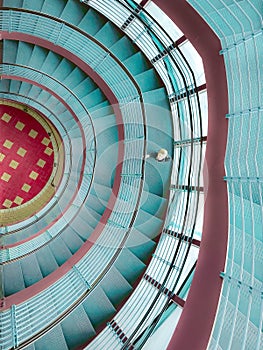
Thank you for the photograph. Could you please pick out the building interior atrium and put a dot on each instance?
(131, 174)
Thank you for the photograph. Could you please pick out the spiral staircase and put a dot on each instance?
(112, 260)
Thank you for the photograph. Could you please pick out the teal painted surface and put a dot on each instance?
(76, 328)
(239, 26)
(129, 265)
(56, 340)
(115, 286)
(124, 48)
(92, 22)
(98, 307)
(108, 35)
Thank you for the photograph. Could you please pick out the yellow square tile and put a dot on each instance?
(33, 133)
(18, 200)
(6, 177)
(41, 163)
(8, 144)
(6, 117)
(21, 152)
(45, 141)
(2, 157)
(48, 151)
(7, 203)
(13, 164)
(26, 188)
(33, 175)
(20, 126)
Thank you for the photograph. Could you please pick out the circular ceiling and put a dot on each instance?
(29, 156)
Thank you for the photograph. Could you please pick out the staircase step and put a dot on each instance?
(5, 85)
(93, 98)
(103, 123)
(72, 239)
(158, 97)
(33, 5)
(140, 245)
(9, 51)
(31, 270)
(96, 203)
(54, 339)
(13, 3)
(63, 70)
(115, 286)
(102, 192)
(51, 63)
(14, 86)
(13, 279)
(124, 48)
(73, 12)
(24, 53)
(85, 87)
(74, 78)
(98, 307)
(109, 34)
(137, 64)
(24, 89)
(92, 22)
(101, 110)
(129, 265)
(108, 137)
(60, 250)
(30, 347)
(84, 228)
(53, 8)
(46, 260)
(157, 173)
(148, 224)
(153, 204)
(77, 328)
(148, 80)
(37, 57)
(89, 215)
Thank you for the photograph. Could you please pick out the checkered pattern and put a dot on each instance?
(26, 157)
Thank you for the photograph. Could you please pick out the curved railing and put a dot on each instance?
(141, 314)
(113, 234)
(66, 216)
(168, 68)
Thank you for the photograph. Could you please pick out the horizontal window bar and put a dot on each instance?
(179, 301)
(178, 235)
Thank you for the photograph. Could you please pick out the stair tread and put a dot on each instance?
(13, 278)
(108, 34)
(31, 270)
(53, 8)
(46, 260)
(73, 12)
(148, 224)
(115, 286)
(98, 307)
(140, 245)
(54, 339)
(124, 48)
(137, 63)
(60, 250)
(92, 22)
(129, 265)
(77, 328)
(72, 240)
(33, 5)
